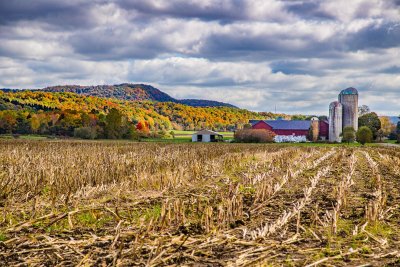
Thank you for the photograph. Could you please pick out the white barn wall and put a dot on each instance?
(206, 138)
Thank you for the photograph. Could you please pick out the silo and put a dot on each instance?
(315, 129)
(349, 100)
(335, 121)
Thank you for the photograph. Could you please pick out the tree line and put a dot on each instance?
(69, 114)
(371, 128)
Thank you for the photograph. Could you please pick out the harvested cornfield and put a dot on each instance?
(141, 204)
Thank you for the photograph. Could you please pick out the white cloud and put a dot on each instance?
(255, 54)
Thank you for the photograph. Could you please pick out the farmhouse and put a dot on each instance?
(207, 136)
(292, 127)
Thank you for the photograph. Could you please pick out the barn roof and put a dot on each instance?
(207, 132)
(286, 125)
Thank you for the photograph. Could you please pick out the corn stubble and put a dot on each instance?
(143, 204)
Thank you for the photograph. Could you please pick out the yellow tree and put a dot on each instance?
(386, 125)
(35, 123)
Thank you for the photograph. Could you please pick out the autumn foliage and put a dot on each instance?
(60, 113)
(143, 126)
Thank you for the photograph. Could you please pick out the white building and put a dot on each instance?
(207, 136)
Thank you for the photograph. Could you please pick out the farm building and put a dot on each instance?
(207, 136)
(292, 127)
(342, 113)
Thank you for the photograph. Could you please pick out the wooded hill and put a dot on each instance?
(60, 113)
(132, 92)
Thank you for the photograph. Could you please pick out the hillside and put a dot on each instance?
(60, 113)
(131, 92)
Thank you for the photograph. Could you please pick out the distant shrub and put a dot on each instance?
(349, 134)
(364, 135)
(85, 132)
(247, 126)
(163, 134)
(254, 136)
(398, 138)
(132, 133)
(393, 136)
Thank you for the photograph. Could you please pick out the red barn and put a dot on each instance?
(324, 130)
(293, 127)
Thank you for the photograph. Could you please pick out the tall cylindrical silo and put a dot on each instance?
(335, 121)
(315, 129)
(349, 100)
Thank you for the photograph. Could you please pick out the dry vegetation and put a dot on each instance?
(124, 204)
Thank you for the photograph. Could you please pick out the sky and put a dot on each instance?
(294, 55)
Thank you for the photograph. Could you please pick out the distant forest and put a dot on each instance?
(69, 114)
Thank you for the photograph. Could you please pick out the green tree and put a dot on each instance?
(398, 131)
(299, 117)
(133, 133)
(349, 134)
(381, 134)
(398, 128)
(113, 124)
(371, 120)
(364, 135)
(323, 118)
(247, 126)
(85, 119)
(85, 132)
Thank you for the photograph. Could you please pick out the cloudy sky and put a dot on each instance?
(257, 54)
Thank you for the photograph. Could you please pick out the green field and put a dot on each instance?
(186, 137)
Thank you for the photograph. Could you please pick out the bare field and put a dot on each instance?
(149, 204)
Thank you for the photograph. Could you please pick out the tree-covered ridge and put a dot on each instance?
(50, 110)
(131, 92)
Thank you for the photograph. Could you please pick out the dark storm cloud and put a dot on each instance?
(288, 67)
(64, 15)
(112, 41)
(267, 47)
(376, 36)
(308, 9)
(107, 44)
(391, 70)
(396, 2)
(218, 10)
(297, 52)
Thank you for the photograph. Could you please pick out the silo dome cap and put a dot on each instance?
(349, 91)
(335, 104)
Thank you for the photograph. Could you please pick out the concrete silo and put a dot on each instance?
(349, 100)
(315, 129)
(335, 122)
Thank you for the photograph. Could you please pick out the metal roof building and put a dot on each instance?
(207, 136)
(290, 127)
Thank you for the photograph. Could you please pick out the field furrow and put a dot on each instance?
(148, 204)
